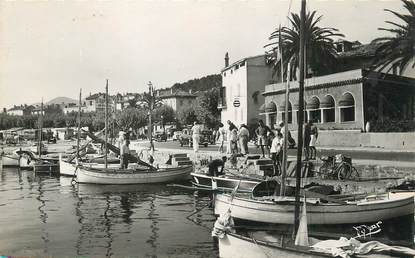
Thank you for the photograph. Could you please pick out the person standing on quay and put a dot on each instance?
(313, 139)
(125, 151)
(229, 136)
(243, 138)
(234, 141)
(262, 134)
(196, 130)
(221, 135)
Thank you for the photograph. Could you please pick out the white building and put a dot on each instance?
(242, 85)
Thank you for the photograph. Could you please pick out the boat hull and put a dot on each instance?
(10, 161)
(317, 213)
(237, 246)
(68, 169)
(131, 176)
(223, 183)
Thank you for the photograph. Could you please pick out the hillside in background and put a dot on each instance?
(200, 84)
(60, 100)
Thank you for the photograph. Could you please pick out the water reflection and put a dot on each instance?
(95, 220)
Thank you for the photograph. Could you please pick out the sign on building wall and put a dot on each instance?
(236, 103)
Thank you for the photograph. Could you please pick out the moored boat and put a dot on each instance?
(234, 245)
(132, 176)
(280, 210)
(10, 160)
(224, 183)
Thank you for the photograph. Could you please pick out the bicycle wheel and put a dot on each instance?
(353, 175)
(343, 171)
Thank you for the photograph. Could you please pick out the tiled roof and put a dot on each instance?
(95, 96)
(168, 94)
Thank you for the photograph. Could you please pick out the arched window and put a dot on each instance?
(313, 107)
(290, 115)
(328, 108)
(347, 108)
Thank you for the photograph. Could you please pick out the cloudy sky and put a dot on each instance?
(51, 48)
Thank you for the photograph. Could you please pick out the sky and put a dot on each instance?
(52, 48)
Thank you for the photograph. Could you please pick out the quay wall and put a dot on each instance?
(355, 138)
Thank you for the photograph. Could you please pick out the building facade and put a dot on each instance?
(96, 103)
(346, 100)
(242, 84)
(178, 100)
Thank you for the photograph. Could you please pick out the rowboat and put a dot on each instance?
(10, 160)
(132, 176)
(280, 209)
(234, 245)
(224, 183)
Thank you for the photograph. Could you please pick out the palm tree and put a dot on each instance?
(320, 48)
(397, 50)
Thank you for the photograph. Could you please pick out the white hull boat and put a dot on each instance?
(10, 160)
(281, 210)
(68, 169)
(224, 183)
(238, 246)
(132, 176)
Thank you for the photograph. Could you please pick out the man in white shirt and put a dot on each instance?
(196, 131)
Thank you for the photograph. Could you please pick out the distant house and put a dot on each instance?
(178, 99)
(72, 107)
(121, 102)
(96, 103)
(242, 83)
(20, 110)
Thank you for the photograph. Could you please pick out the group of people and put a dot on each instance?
(273, 141)
(237, 138)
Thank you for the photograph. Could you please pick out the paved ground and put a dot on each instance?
(357, 153)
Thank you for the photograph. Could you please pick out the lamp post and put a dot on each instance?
(162, 123)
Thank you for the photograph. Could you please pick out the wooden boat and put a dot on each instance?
(280, 210)
(68, 168)
(224, 183)
(132, 176)
(239, 246)
(10, 160)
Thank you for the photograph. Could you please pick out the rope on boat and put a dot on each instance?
(259, 246)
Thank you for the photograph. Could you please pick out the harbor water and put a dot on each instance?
(43, 215)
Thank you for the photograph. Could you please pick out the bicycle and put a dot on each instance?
(338, 167)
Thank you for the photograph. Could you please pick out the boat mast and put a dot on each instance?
(150, 110)
(300, 118)
(40, 129)
(106, 125)
(285, 146)
(78, 139)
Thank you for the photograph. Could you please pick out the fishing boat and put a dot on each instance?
(267, 245)
(224, 183)
(10, 160)
(67, 168)
(132, 176)
(280, 209)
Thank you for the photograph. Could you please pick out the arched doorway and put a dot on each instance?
(327, 106)
(313, 108)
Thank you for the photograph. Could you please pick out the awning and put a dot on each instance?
(314, 103)
(346, 100)
(270, 107)
(282, 106)
(327, 102)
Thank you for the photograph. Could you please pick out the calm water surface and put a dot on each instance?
(47, 216)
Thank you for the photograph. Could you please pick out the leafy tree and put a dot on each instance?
(166, 111)
(398, 50)
(206, 108)
(130, 118)
(320, 49)
(187, 115)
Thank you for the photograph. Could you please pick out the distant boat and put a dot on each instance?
(280, 209)
(132, 176)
